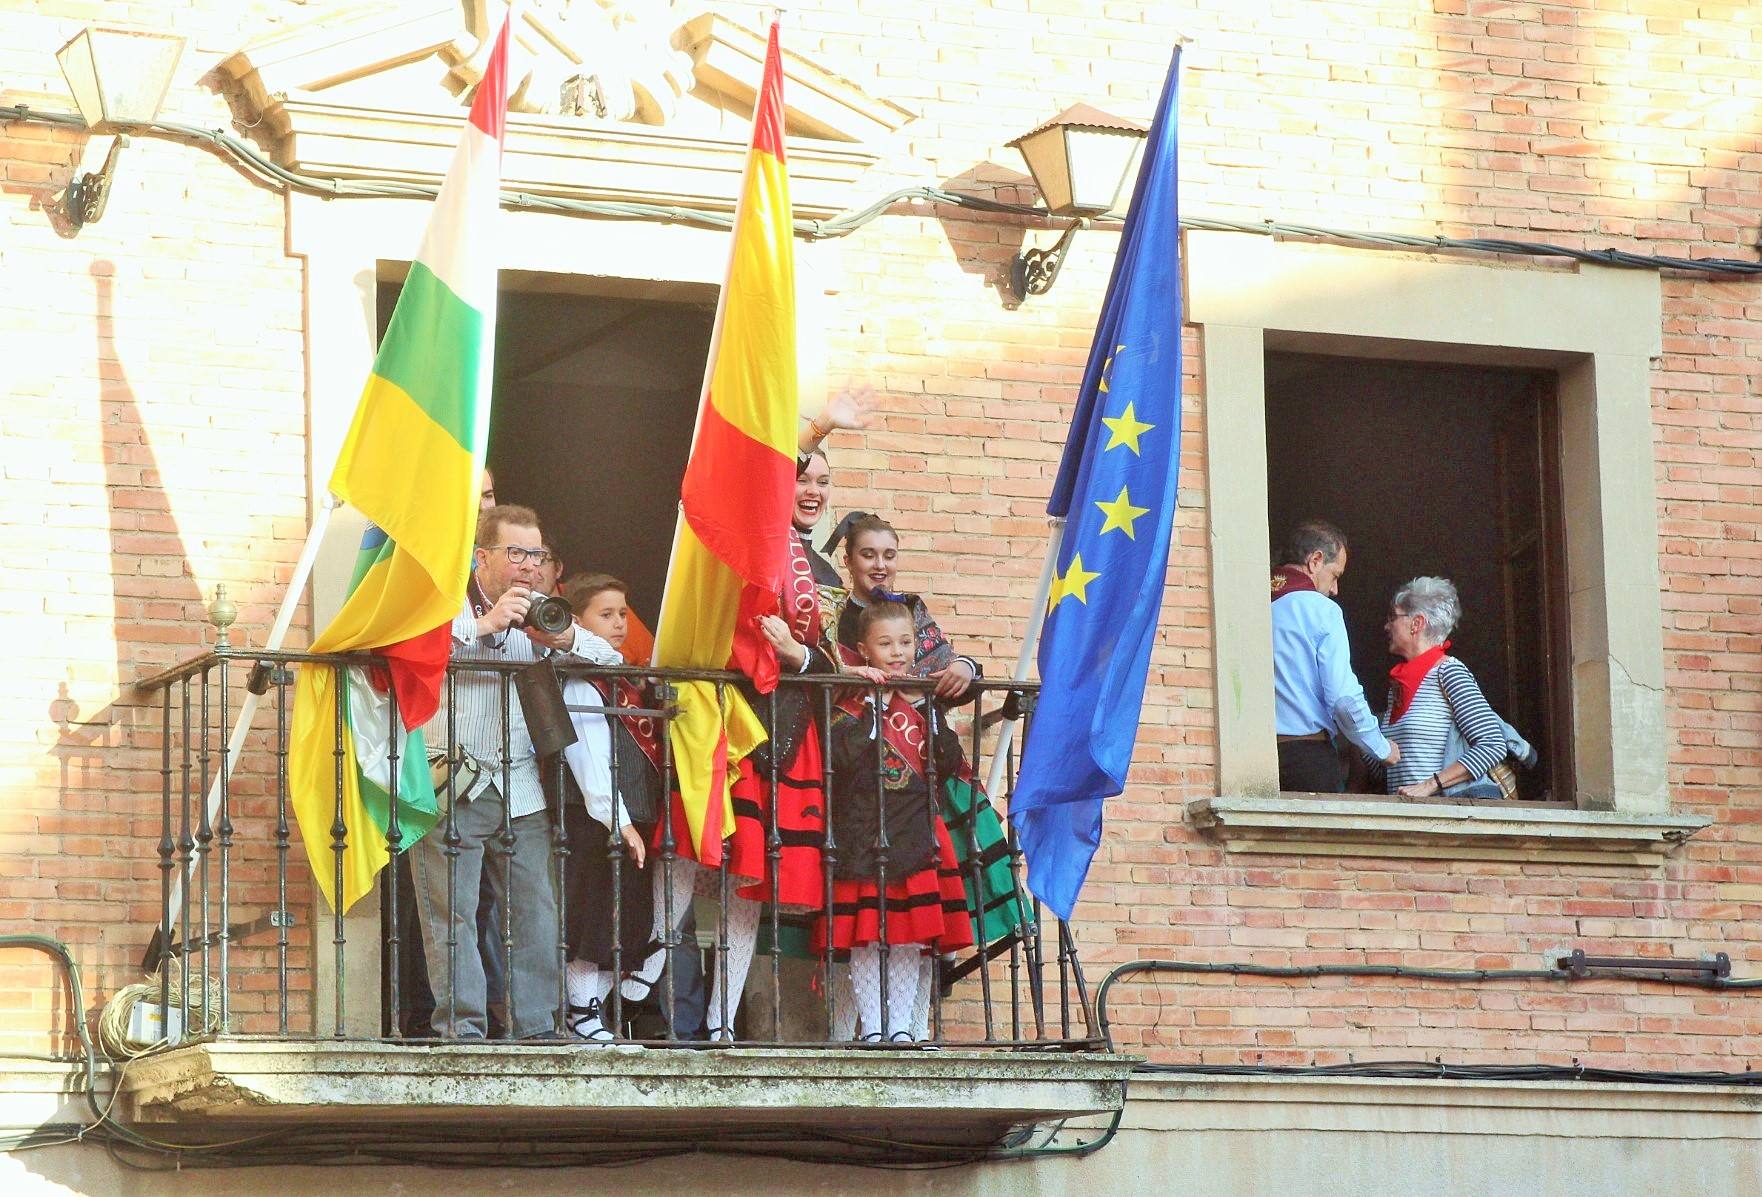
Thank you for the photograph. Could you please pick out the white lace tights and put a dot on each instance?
(908, 992)
(743, 936)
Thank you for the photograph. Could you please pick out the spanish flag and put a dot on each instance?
(731, 545)
(410, 464)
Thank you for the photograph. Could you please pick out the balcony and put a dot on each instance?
(312, 1018)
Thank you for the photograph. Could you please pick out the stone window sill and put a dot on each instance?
(1326, 825)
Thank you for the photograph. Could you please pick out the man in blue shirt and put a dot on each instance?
(1315, 692)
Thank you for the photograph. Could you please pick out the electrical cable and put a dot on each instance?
(1436, 1069)
(253, 163)
(119, 1042)
(49, 1137)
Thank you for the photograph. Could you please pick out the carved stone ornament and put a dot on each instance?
(599, 58)
(628, 100)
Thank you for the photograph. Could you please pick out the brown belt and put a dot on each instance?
(1320, 735)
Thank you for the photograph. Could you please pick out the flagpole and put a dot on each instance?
(278, 631)
(1030, 645)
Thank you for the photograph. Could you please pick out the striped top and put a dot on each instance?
(478, 707)
(1449, 694)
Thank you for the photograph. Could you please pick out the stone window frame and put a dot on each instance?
(1597, 329)
(344, 247)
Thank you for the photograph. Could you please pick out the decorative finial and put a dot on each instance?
(222, 613)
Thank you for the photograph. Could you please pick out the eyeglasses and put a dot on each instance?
(519, 556)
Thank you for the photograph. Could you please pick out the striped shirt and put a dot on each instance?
(1448, 696)
(477, 702)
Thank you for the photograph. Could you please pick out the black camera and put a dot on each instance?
(549, 614)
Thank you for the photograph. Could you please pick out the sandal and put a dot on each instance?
(633, 987)
(585, 1024)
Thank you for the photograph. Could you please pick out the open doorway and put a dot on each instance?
(596, 391)
(1445, 470)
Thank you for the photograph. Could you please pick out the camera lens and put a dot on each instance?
(550, 614)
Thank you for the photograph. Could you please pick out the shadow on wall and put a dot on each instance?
(983, 243)
(109, 783)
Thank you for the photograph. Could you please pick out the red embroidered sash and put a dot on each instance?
(904, 730)
(801, 596)
(621, 692)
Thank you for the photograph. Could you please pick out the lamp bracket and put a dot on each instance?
(89, 193)
(1034, 270)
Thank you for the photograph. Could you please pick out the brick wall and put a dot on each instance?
(153, 444)
(162, 345)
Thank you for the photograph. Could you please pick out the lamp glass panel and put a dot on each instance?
(1123, 200)
(136, 70)
(118, 75)
(1098, 167)
(1045, 153)
(81, 73)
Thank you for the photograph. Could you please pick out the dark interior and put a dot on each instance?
(1430, 469)
(595, 396)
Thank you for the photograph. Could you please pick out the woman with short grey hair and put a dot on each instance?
(1450, 737)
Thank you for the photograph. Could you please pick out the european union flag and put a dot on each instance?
(1116, 492)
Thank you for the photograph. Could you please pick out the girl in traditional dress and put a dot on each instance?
(882, 754)
(871, 556)
(611, 799)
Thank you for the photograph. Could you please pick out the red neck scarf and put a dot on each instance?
(1288, 579)
(1405, 678)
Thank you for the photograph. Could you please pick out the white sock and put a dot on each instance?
(903, 969)
(731, 971)
(921, 1008)
(865, 986)
(587, 982)
(684, 872)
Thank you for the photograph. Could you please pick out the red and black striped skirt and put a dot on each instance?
(927, 907)
(801, 829)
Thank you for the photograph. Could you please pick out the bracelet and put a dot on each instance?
(1439, 782)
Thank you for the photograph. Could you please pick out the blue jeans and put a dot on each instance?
(523, 880)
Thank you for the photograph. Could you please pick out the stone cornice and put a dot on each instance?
(559, 157)
(378, 93)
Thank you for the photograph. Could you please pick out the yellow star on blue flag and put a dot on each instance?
(1074, 584)
(1120, 515)
(1125, 429)
(1095, 652)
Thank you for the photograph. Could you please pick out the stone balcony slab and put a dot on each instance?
(974, 1097)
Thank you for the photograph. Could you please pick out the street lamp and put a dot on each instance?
(1079, 160)
(119, 78)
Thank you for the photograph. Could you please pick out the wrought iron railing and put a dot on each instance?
(245, 947)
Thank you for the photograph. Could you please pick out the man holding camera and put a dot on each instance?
(515, 867)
